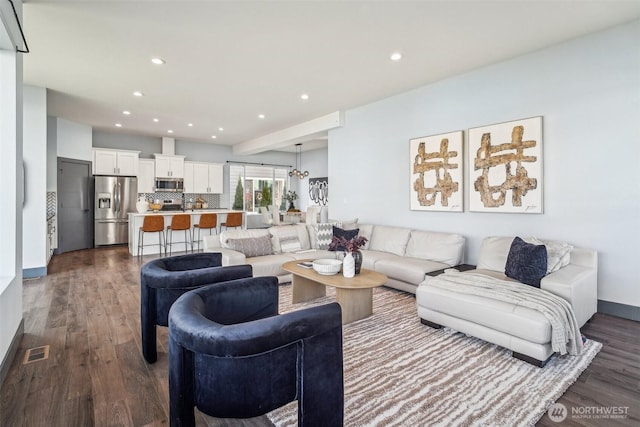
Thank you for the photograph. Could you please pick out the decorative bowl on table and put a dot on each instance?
(155, 206)
(327, 266)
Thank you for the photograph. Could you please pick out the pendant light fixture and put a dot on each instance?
(297, 172)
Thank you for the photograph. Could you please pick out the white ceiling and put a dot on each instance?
(228, 61)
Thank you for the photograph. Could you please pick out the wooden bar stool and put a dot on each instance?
(152, 224)
(207, 221)
(234, 219)
(181, 222)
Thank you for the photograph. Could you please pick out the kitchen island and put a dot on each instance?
(136, 219)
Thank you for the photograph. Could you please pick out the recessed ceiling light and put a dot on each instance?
(304, 96)
(118, 125)
(169, 131)
(190, 125)
(138, 93)
(261, 116)
(221, 129)
(213, 137)
(396, 56)
(126, 113)
(156, 120)
(158, 61)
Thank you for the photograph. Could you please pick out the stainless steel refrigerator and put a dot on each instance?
(115, 197)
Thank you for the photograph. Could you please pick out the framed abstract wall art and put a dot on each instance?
(505, 167)
(436, 164)
(319, 190)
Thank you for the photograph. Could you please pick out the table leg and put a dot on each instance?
(356, 304)
(305, 289)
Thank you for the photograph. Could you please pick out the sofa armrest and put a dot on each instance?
(584, 257)
(578, 285)
(229, 256)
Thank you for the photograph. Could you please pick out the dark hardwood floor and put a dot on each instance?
(87, 310)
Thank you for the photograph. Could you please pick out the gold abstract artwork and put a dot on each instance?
(437, 171)
(516, 163)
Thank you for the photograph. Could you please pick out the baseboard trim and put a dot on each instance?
(11, 354)
(625, 311)
(30, 273)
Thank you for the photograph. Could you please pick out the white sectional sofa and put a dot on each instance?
(403, 254)
(523, 330)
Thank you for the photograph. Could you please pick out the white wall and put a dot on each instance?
(316, 162)
(588, 92)
(34, 211)
(52, 153)
(12, 184)
(74, 140)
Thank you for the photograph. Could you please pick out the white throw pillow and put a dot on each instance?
(558, 253)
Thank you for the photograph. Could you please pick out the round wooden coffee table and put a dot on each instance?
(355, 295)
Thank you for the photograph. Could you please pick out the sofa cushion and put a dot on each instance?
(389, 239)
(240, 234)
(287, 233)
(440, 247)
(406, 269)
(493, 253)
(269, 265)
(252, 246)
(366, 230)
(505, 317)
(370, 258)
(526, 262)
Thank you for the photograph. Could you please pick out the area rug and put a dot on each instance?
(399, 372)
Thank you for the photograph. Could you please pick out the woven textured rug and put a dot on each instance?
(399, 372)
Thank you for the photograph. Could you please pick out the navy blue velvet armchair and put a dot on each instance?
(163, 280)
(232, 356)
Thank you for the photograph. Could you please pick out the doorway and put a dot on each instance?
(75, 205)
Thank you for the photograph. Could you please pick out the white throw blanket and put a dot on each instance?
(565, 331)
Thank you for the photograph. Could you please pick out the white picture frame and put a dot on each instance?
(505, 167)
(436, 165)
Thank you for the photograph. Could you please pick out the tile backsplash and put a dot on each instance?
(52, 204)
(213, 200)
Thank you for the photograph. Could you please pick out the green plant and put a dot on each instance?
(266, 196)
(291, 196)
(237, 200)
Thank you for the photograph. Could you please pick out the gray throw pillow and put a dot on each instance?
(252, 246)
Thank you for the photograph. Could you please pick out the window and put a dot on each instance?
(255, 186)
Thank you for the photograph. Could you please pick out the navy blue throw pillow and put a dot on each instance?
(347, 234)
(526, 263)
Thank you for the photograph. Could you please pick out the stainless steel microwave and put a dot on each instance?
(169, 185)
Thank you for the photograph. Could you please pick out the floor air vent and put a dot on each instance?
(36, 354)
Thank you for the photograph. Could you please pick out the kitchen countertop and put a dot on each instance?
(191, 212)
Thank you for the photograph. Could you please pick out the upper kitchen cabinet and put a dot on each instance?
(188, 177)
(115, 162)
(169, 166)
(146, 175)
(207, 177)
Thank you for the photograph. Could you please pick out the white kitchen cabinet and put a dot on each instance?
(115, 162)
(207, 178)
(169, 166)
(188, 178)
(146, 175)
(216, 173)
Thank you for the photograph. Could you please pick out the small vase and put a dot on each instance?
(291, 206)
(357, 258)
(348, 266)
(142, 206)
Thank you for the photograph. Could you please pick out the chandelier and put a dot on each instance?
(297, 172)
